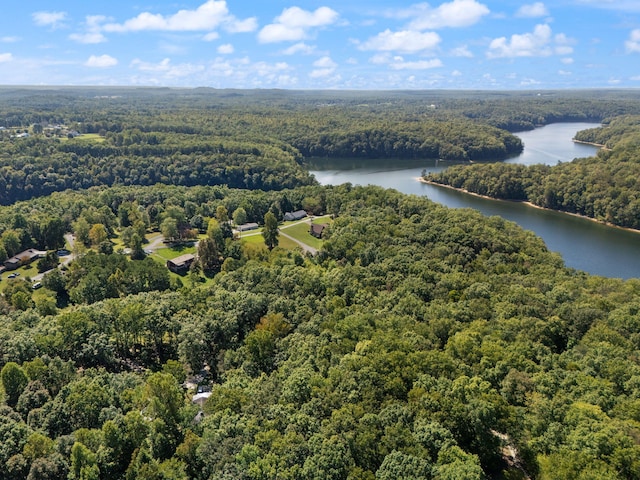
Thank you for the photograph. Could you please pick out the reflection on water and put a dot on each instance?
(583, 244)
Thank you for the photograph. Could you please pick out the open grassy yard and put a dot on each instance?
(170, 253)
(86, 137)
(301, 233)
(283, 242)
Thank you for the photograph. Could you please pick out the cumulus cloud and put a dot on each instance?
(633, 44)
(226, 49)
(101, 61)
(462, 51)
(211, 14)
(299, 48)
(88, 37)
(92, 35)
(241, 26)
(5, 57)
(455, 14)
(539, 43)
(167, 69)
(323, 67)
(533, 10)
(399, 63)
(49, 19)
(295, 23)
(405, 41)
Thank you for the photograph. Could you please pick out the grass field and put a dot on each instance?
(301, 233)
(170, 253)
(86, 137)
(283, 242)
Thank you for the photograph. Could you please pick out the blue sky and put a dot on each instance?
(331, 44)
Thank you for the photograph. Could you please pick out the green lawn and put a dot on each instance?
(301, 233)
(170, 253)
(283, 242)
(85, 137)
(25, 272)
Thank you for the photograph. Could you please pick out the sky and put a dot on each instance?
(325, 44)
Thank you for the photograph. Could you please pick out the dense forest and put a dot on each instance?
(420, 339)
(418, 342)
(71, 139)
(605, 187)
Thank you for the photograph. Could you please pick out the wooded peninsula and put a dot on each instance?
(399, 340)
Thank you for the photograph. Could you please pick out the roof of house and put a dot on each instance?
(247, 226)
(30, 253)
(317, 228)
(297, 215)
(182, 259)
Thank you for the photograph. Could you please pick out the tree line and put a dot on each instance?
(604, 187)
(257, 140)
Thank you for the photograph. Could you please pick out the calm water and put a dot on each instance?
(583, 244)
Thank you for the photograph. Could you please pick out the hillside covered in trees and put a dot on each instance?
(58, 139)
(605, 187)
(418, 342)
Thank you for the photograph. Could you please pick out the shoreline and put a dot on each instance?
(593, 144)
(529, 204)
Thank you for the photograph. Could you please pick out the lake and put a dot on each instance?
(583, 244)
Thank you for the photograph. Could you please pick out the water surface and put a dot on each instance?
(583, 244)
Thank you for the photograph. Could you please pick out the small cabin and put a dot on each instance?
(316, 230)
(181, 264)
(23, 258)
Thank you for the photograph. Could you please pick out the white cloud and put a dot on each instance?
(301, 48)
(533, 10)
(101, 61)
(49, 19)
(226, 49)
(5, 57)
(324, 67)
(380, 59)
(567, 61)
(9, 39)
(93, 24)
(242, 26)
(88, 38)
(325, 62)
(167, 69)
(211, 36)
(398, 63)
(406, 41)
(211, 14)
(294, 24)
(538, 43)
(461, 52)
(633, 44)
(455, 14)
